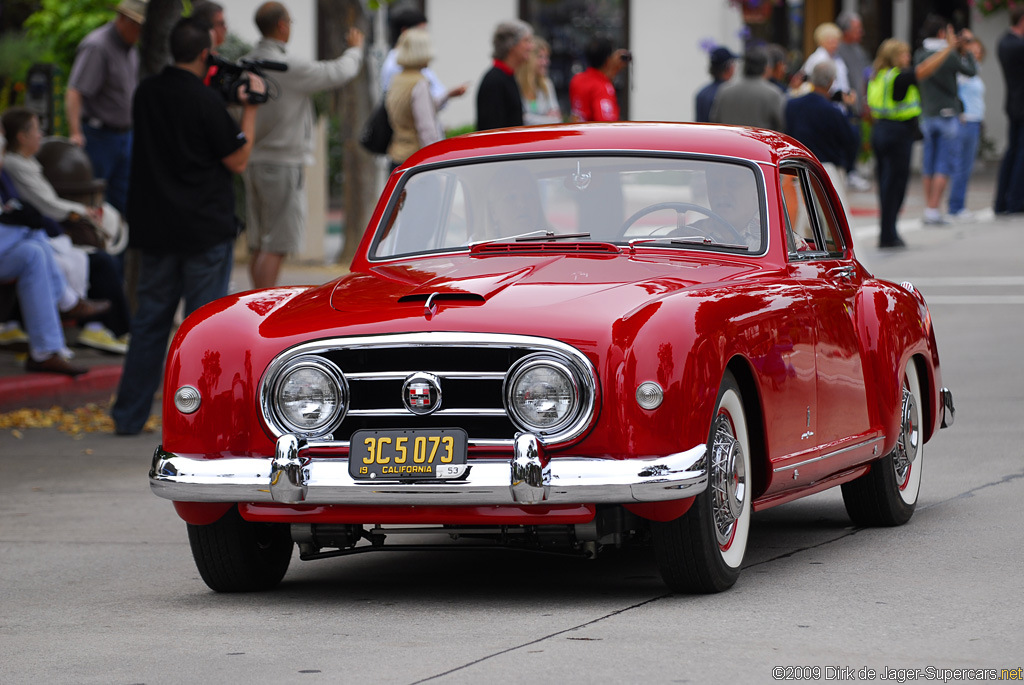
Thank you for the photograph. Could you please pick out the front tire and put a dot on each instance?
(235, 555)
(887, 494)
(702, 551)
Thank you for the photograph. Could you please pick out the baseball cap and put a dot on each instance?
(134, 10)
(721, 55)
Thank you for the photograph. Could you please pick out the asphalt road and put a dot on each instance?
(97, 583)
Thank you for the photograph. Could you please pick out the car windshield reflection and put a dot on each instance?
(706, 204)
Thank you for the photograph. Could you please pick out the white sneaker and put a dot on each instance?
(963, 216)
(934, 217)
(857, 182)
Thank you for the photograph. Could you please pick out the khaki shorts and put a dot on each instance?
(275, 207)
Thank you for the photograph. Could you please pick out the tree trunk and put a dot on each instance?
(352, 103)
(154, 51)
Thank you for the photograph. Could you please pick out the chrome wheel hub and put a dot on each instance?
(727, 482)
(909, 441)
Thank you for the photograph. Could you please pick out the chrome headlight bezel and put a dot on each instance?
(271, 397)
(575, 419)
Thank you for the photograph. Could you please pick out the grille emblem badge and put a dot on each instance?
(421, 393)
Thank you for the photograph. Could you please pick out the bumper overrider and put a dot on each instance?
(529, 477)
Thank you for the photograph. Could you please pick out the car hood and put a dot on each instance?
(522, 287)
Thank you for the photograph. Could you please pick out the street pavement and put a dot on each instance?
(19, 389)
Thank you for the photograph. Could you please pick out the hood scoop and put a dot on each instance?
(432, 300)
(544, 248)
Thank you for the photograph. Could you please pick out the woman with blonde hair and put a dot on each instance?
(411, 109)
(896, 105)
(540, 104)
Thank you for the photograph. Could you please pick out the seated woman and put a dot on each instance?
(27, 259)
(99, 277)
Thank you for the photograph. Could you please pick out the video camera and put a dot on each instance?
(230, 75)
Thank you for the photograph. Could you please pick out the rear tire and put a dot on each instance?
(235, 555)
(887, 494)
(702, 551)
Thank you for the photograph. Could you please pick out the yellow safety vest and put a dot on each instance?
(882, 103)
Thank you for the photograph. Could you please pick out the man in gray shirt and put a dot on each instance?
(98, 101)
(751, 100)
(275, 194)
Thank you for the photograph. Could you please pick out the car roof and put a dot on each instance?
(756, 145)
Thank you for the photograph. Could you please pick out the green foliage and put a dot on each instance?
(17, 53)
(459, 130)
(60, 25)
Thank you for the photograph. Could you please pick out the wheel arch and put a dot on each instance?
(743, 372)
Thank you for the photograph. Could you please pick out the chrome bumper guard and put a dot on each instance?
(948, 412)
(529, 477)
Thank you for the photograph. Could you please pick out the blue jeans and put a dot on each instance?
(940, 135)
(163, 280)
(40, 284)
(1010, 191)
(111, 155)
(965, 151)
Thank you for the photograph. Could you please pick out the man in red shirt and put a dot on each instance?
(591, 93)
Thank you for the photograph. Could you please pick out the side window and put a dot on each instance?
(812, 231)
(831, 236)
(799, 230)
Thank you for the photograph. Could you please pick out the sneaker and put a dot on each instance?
(857, 182)
(102, 339)
(934, 217)
(12, 337)
(963, 216)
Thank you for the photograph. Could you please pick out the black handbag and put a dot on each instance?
(377, 132)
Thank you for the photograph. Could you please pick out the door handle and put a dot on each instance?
(844, 272)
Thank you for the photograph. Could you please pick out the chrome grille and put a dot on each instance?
(471, 367)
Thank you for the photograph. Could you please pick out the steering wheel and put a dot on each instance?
(680, 207)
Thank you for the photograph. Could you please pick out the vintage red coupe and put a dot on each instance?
(566, 337)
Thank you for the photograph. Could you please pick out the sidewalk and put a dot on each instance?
(21, 390)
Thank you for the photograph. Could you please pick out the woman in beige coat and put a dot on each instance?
(411, 109)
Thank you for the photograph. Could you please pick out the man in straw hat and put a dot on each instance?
(98, 100)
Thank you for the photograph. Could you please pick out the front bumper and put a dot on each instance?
(529, 477)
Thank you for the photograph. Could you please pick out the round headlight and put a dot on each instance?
(542, 395)
(310, 396)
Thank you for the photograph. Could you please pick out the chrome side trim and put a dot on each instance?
(946, 407)
(859, 445)
(563, 480)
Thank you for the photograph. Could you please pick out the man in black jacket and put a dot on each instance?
(180, 206)
(498, 100)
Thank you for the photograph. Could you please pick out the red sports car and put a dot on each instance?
(566, 337)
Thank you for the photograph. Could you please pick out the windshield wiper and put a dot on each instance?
(687, 240)
(548, 235)
(538, 234)
(531, 236)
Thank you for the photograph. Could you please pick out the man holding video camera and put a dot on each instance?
(180, 206)
(275, 194)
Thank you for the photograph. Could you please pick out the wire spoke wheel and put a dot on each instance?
(887, 494)
(702, 551)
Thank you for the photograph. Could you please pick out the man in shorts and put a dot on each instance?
(275, 194)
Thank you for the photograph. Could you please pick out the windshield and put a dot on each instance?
(681, 203)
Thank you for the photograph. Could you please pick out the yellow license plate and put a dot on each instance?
(423, 454)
